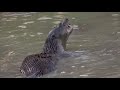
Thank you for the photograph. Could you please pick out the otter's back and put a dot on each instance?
(38, 64)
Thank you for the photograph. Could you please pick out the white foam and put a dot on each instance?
(32, 35)
(73, 18)
(105, 54)
(28, 22)
(56, 22)
(63, 72)
(9, 31)
(118, 32)
(39, 33)
(26, 15)
(79, 51)
(84, 75)
(115, 15)
(73, 66)
(24, 34)
(44, 18)
(82, 66)
(71, 72)
(22, 26)
(85, 40)
(33, 12)
(61, 12)
(11, 53)
(9, 20)
(6, 45)
(58, 16)
(16, 14)
(12, 36)
(75, 26)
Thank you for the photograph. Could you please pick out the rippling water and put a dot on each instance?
(98, 41)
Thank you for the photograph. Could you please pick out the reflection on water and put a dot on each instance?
(96, 37)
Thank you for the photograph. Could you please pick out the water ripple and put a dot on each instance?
(28, 22)
(44, 18)
(22, 26)
(56, 22)
(115, 15)
(39, 33)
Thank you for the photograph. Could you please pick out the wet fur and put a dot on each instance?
(39, 64)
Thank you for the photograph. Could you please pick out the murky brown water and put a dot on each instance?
(98, 41)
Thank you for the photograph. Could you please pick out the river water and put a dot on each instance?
(96, 37)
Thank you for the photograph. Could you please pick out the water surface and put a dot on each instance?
(97, 39)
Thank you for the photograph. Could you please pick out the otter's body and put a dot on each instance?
(37, 64)
(55, 45)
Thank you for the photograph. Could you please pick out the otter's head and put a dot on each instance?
(62, 32)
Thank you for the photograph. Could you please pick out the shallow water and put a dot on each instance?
(97, 39)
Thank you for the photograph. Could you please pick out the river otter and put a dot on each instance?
(55, 45)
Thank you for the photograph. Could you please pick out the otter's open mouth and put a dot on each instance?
(70, 29)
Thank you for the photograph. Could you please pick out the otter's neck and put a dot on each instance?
(53, 46)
